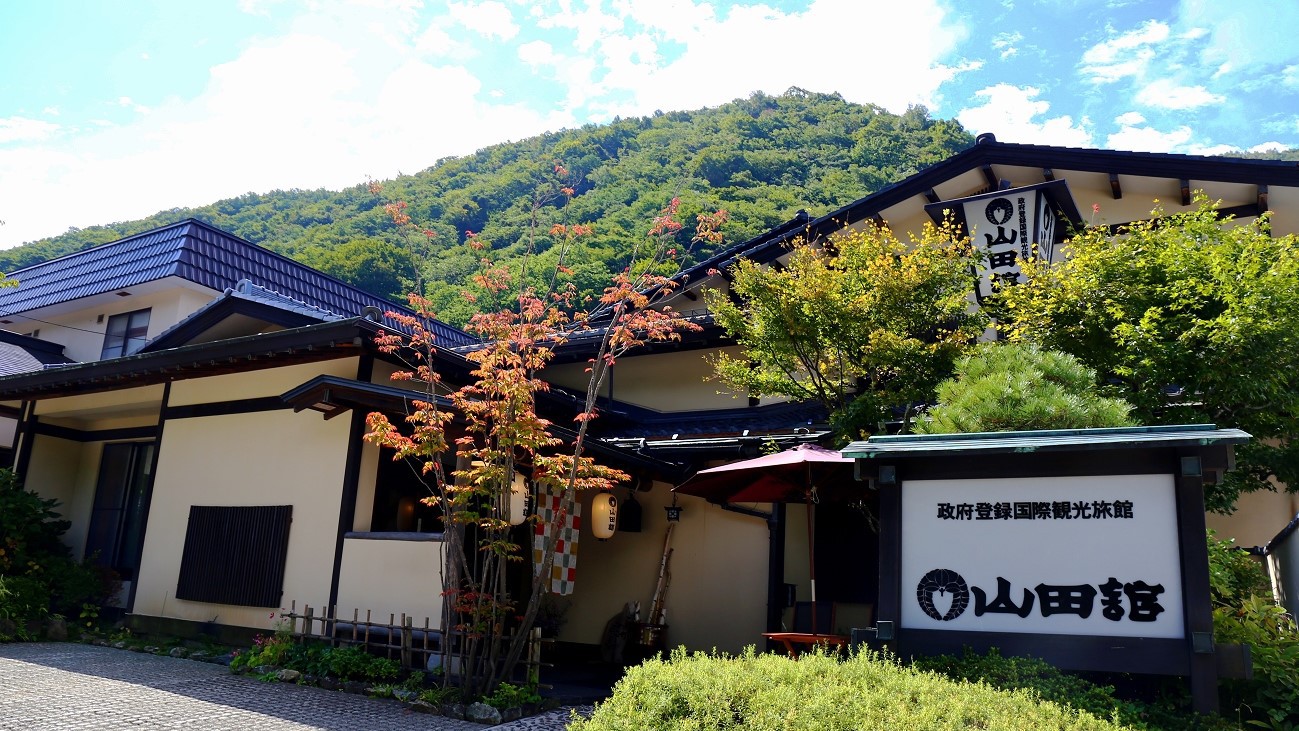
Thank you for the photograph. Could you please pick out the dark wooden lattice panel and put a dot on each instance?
(235, 555)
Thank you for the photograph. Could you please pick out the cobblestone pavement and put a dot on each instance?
(58, 686)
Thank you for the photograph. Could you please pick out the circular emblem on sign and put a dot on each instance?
(999, 211)
(942, 582)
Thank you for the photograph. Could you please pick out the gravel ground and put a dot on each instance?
(72, 687)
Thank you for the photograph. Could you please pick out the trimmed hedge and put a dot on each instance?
(817, 692)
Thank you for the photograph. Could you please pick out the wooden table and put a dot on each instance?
(794, 640)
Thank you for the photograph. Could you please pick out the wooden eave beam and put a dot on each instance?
(1115, 188)
(931, 196)
(1186, 191)
(990, 176)
(1048, 174)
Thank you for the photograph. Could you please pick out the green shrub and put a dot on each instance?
(25, 600)
(1246, 613)
(1272, 698)
(1041, 678)
(512, 696)
(705, 692)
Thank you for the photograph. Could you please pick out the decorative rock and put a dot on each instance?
(264, 669)
(355, 686)
(454, 710)
(405, 695)
(120, 644)
(200, 655)
(152, 650)
(422, 707)
(288, 676)
(179, 652)
(56, 629)
(482, 713)
(512, 713)
(100, 643)
(329, 684)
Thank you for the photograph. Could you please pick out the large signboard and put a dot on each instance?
(1057, 555)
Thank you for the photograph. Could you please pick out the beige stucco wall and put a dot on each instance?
(266, 458)
(1259, 516)
(718, 593)
(79, 329)
(672, 381)
(66, 471)
(389, 578)
(255, 384)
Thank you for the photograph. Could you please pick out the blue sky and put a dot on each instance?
(115, 110)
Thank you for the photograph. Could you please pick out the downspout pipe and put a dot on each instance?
(775, 560)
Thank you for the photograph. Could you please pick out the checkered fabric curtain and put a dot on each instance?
(563, 575)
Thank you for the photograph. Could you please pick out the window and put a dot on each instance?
(126, 333)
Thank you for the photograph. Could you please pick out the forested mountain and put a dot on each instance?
(762, 159)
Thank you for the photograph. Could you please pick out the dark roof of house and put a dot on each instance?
(246, 299)
(988, 152)
(198, 252)
(22, 353)
(325, 340)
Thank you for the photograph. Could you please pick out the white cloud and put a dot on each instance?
(1148, 139)
(1165, 94)
(1124, 55)
(489, 19)
(1005, 43)
(23, 129)
(1129, 119)
(1269, 147)
(1251, 34)
(1290, 76)
(537, 53)
(1011, 113)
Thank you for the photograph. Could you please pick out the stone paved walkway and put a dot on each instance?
(71, 687)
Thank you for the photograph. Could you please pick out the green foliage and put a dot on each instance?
(1244, 612)
(862, 324)
(1048, 683)
(1015, 386)
(1193, 320)
(343, 663)
(1234, 576)
(1271, 699)
(759, 692)
(33, 555)
(23, 601)
(29, 529)
(762, 158)
(507, 695)
(439, 695)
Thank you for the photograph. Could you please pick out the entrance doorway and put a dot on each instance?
(117, 520)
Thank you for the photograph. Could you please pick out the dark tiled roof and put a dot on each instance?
(245, 299)
(21, 353)
(200, 253)
(621, 420)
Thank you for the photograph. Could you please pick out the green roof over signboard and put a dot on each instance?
(1047, 440)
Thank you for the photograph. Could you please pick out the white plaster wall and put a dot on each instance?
(389, 578)
(66, 471)
(718, 592)
(266, 458)
(254, 384)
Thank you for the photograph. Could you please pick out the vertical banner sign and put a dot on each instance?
(1009, 226)
(1043, 555)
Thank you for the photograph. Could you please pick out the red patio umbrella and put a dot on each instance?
(795, 475)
